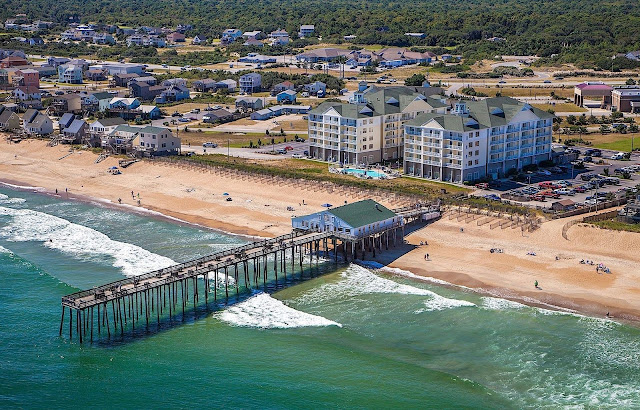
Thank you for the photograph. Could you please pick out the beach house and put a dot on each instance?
(306, 30)
(251, 82)
(75, 132)
(36, 123)
(70, 74)
(366, 217)
(9, 120)
(286, 97)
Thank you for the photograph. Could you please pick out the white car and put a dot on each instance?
(209, 145)
(565, 191)
(297, 156)
(619, 155)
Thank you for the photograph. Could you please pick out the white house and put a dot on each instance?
(354, 220)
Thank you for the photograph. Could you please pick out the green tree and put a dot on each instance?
(415, 80)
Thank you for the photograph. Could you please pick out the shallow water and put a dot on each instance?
(345, 336)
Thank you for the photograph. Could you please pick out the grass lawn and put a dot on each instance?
(613, 141)
(526, 91)
(319, 171)
(618, 226)
(235, 140)
(560, 107)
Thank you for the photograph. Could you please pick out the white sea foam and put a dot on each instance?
(438, 302)
(5, 250)
(500, 304)
(12, 200)
(357, 280)
(265, 312)
(35, 188)
(79, 241)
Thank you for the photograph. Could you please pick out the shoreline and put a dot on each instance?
(461, 281)
(189, 196)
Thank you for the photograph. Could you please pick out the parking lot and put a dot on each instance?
(596, 183)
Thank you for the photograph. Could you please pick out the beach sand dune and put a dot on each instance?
(259, 208)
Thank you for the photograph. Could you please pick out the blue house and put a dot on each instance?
(286, 97)
(124, 103)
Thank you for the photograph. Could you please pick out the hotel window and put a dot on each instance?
(477, 152)
(370, 146)
(470, 163)
(476, 162)
(477, 143)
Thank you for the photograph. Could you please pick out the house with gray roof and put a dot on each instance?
(36, 123)
(75, 132)
(9, 120)
(478, 139)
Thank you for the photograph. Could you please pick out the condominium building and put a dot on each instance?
(369, 128)
(478, 139)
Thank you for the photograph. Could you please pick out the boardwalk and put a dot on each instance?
(165, 293)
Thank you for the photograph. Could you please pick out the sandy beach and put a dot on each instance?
(260, 209)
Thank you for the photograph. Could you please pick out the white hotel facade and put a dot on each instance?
(478, 139)
(369, 129)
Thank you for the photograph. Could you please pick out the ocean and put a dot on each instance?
(345, 336)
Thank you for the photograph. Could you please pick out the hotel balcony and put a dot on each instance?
(496, 141)
(453, 156)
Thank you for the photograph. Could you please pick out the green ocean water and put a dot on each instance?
(346, 336)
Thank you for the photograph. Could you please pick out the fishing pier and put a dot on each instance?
(166, 294)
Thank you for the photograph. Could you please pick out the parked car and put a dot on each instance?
(298, 139)
(306, 153)
(281, 151)
(618, 156)
(482, 185)
(210, 145)
(548, 185)
(580, 189)
(288, 148)
(587, 159)
(550, 194)
(530, 190)
(538, 197)
(297, 156)
(544, 172)
(596, 153)
(492, 197)
(565, 191)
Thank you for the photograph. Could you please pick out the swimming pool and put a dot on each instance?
(369, 173)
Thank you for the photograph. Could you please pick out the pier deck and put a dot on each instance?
(139, 298)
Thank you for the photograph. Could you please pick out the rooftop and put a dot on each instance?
(362, 213)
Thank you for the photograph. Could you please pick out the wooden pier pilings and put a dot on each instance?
(135, 303)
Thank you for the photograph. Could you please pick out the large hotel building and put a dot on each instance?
(473, 140)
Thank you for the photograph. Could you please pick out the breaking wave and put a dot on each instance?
(265, 312)
(78, 241)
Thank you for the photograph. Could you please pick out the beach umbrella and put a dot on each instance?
(113, 168)
(225, 194)
(327, 205)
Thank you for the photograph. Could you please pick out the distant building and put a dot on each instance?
(597, 92)
(69, 74)
(250, 83)
(255, 35)
(230, 35)
(249, 103)
(176, 37)
(415, 35)
(9, 120)
(255, 58)
(286, 97)
(306, 30)
(626, 98)
(197, 40)
(219, 115)
(315, 88)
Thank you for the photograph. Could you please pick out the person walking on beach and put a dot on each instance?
(427, 256)
(56, 191)
(120, 200)
(536, 284)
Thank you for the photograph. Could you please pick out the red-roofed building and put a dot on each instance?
(176, 37)
(592, 93)
(13, 61)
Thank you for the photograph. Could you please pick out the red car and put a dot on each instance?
(288, 147)
(549, 194)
